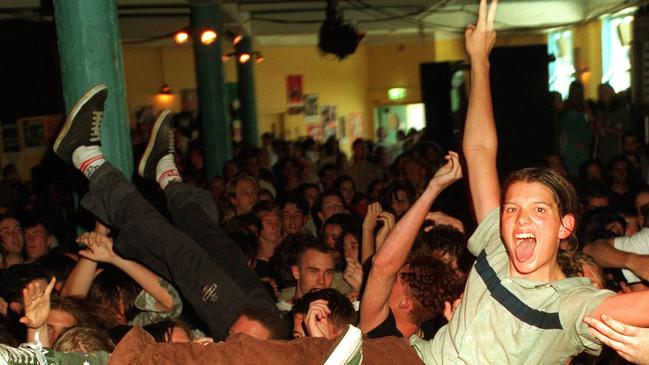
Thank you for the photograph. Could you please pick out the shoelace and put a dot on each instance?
(172, 145)
(95, 126)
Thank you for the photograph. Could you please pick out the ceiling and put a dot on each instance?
(277, 22)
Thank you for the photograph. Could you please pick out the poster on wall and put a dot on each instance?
(314, 130)
(33, 131)
(355, 125)
(294, 94)
(10, 137)
(311, 108)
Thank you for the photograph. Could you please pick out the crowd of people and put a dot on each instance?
(281, 257)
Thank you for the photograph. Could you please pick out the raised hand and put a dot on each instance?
(388, 225)
(447, 174)
(480, 38)
(36, 297)
(442, 218)
(100, 247)
(373, 211)
(353, 274)
(317, 319)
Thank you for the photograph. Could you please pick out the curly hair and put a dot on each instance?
(430, 282)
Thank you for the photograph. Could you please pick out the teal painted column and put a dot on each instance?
(211, 91)
(247, 98)
(90, 52)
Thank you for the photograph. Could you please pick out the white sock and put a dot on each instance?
(166, 171)
(88, 159)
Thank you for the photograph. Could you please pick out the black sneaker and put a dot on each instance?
(161, 143)
(82, 127)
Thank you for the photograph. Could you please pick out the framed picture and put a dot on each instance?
(10, 136)
(33, 132)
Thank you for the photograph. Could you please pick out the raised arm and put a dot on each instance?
(393, 254)
(480, 142)
(100, 249)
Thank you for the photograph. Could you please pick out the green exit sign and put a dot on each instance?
(397, 93)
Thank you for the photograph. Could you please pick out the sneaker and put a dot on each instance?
(33, 354)
(161, 143)
(348, 348)
(83, 125)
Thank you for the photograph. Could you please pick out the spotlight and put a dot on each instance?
(208, 37)
(165, 89)
(244, 57)
(260, 57)
(181, 37)
(237, 38)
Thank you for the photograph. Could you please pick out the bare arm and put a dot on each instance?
(630, 308)
(393, 254)
(480, 144)
(78, 282)
(369, 223)
(101, 250)
(607, 256)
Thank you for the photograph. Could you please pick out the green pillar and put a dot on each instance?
(248, 110)
(211, 92)
(90, 52)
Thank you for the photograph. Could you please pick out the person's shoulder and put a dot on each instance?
(487, 234)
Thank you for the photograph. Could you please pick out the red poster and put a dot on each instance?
(294, 94)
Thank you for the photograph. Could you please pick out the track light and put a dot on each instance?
(181, 37)
(208, 36)
(244, 57)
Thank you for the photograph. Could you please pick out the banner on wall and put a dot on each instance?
(294, 94)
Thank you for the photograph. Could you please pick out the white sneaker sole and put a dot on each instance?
(152, 139)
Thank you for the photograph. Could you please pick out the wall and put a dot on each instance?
(587, 43)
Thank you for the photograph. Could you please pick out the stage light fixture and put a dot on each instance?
(208, 37)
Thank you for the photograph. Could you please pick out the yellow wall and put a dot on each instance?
(587, 42)
(357, 84)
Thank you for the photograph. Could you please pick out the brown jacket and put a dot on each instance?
(138, 347)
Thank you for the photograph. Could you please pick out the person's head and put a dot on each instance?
(251, 164)
(83, 339)
(242, 193)
(539, 209)
(398, 197)
(311, 193)
(288, 169)
(271, 223)
(341, 314)
(14, 279)
(374, 188)
(334, 230)
(168, 331)
(641, 199)
(68, 312)
(446, 243)
(294, 210)
(631, 143)
(594, 195)
(591, 171)
(230, 170)
(259, 322)
(217, 187)
(314, 267)
(359, 149)
(575, 96)
(605, 94)
(327, 175)
(414, 170)
(38, 239)
(600, 223)
(554, 162)
(328, 204)
(265, 195)
(345, 186)
(11, 235)
(423, 284)
(618, 169)
(115, 290)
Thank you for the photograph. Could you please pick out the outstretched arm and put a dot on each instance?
(607, 256)
(393, 254)
(631, 308)
(480, 142)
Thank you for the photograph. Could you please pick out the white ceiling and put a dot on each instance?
(297, 22)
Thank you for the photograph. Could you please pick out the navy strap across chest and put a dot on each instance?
(531, 316)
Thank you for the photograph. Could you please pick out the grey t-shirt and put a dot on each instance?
(513, 320)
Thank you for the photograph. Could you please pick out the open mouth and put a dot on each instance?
(525, 244)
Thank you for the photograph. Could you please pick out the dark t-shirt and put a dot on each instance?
(386, 328)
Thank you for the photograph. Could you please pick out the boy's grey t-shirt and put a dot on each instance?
(513, 320)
